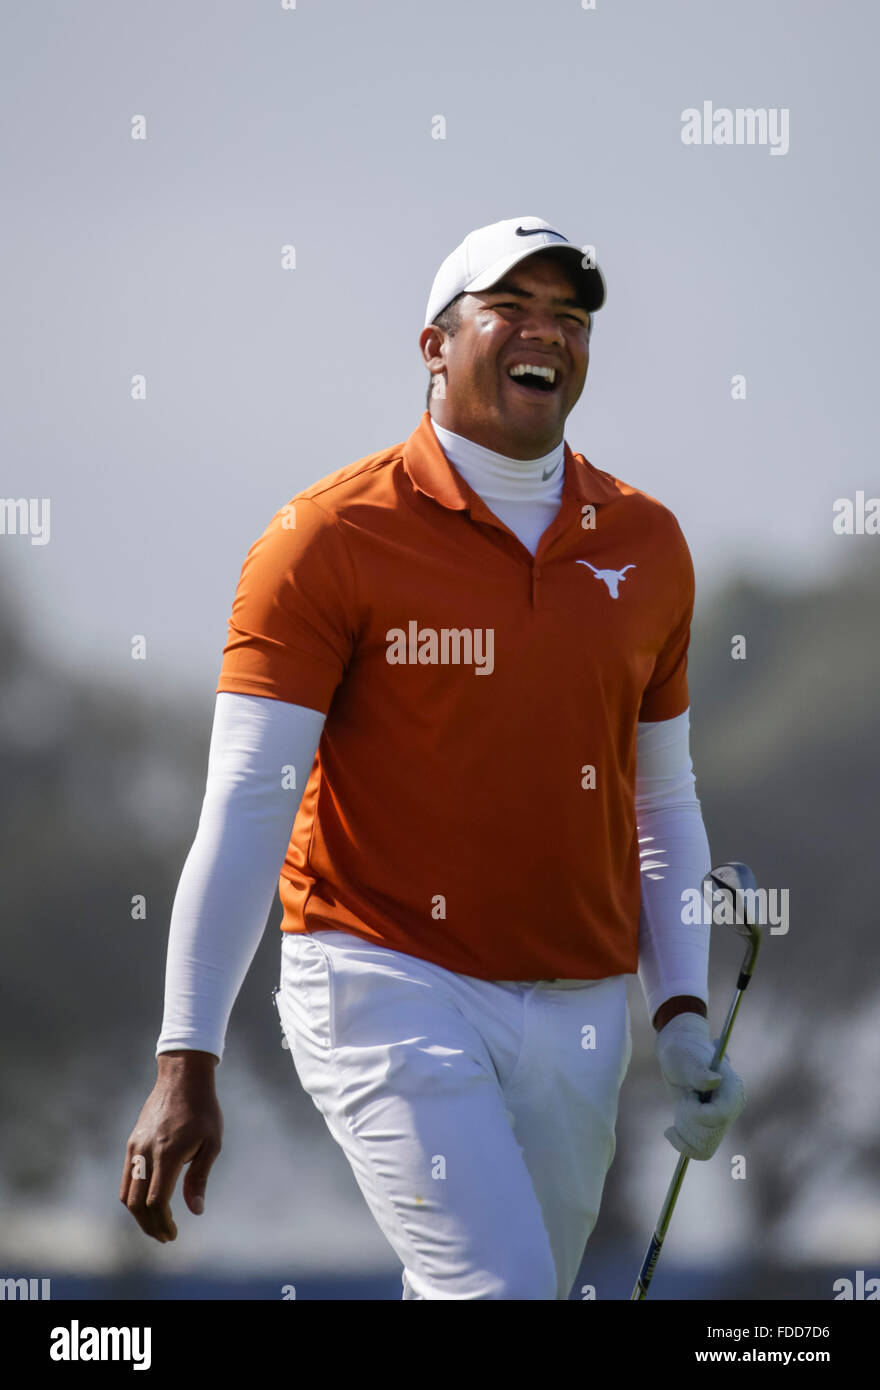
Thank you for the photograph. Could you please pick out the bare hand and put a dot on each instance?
(180, 1123)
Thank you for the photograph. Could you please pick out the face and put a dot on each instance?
(532, 315)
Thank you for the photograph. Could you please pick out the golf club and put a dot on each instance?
(737, 880)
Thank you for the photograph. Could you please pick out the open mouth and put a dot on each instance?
(537, 380)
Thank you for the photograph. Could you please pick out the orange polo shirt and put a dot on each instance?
(472, 798)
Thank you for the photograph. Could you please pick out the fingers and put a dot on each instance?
(196, 1179)
(157, 1207)
(700, 1126)
(725, 1106)
(681, 1144)
(180, 1123)
(727, 1101)
(149, 1179)
(709, 1081)
(147, 1194)
(692, 1075)
(699, 1151)
(689, 1065)
(126, 1181)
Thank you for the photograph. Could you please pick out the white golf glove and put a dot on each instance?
(684, 1051)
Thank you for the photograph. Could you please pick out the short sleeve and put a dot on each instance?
(666, 694)
(292, 629)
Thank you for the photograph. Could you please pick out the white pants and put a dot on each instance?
(478, 1116)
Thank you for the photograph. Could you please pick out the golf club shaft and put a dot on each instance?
(653, 1252)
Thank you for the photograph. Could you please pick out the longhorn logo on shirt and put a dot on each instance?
(610, 577)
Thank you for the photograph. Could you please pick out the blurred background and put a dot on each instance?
(171, 375)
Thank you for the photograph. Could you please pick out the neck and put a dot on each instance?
(511, 446)
(498, 475)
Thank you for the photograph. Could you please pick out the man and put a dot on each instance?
(467, 655)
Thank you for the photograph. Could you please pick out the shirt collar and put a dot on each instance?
(430, 471)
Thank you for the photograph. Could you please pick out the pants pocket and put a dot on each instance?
(305, 1000)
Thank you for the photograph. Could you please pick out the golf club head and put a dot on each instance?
(739, 882)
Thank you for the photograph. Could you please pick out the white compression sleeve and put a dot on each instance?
(674, 853)
(230, 875)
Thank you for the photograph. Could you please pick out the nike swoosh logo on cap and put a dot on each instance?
(533, 231)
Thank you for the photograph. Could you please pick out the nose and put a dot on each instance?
(543, 325)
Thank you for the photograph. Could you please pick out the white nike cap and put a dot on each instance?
(489, 252)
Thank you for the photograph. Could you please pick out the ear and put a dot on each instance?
(432, 341)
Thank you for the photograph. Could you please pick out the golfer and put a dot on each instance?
(452, 713)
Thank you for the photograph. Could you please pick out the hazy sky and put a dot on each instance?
(312, 127)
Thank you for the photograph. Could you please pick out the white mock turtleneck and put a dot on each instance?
(523, 493)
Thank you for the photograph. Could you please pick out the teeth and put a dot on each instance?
(522, 367)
